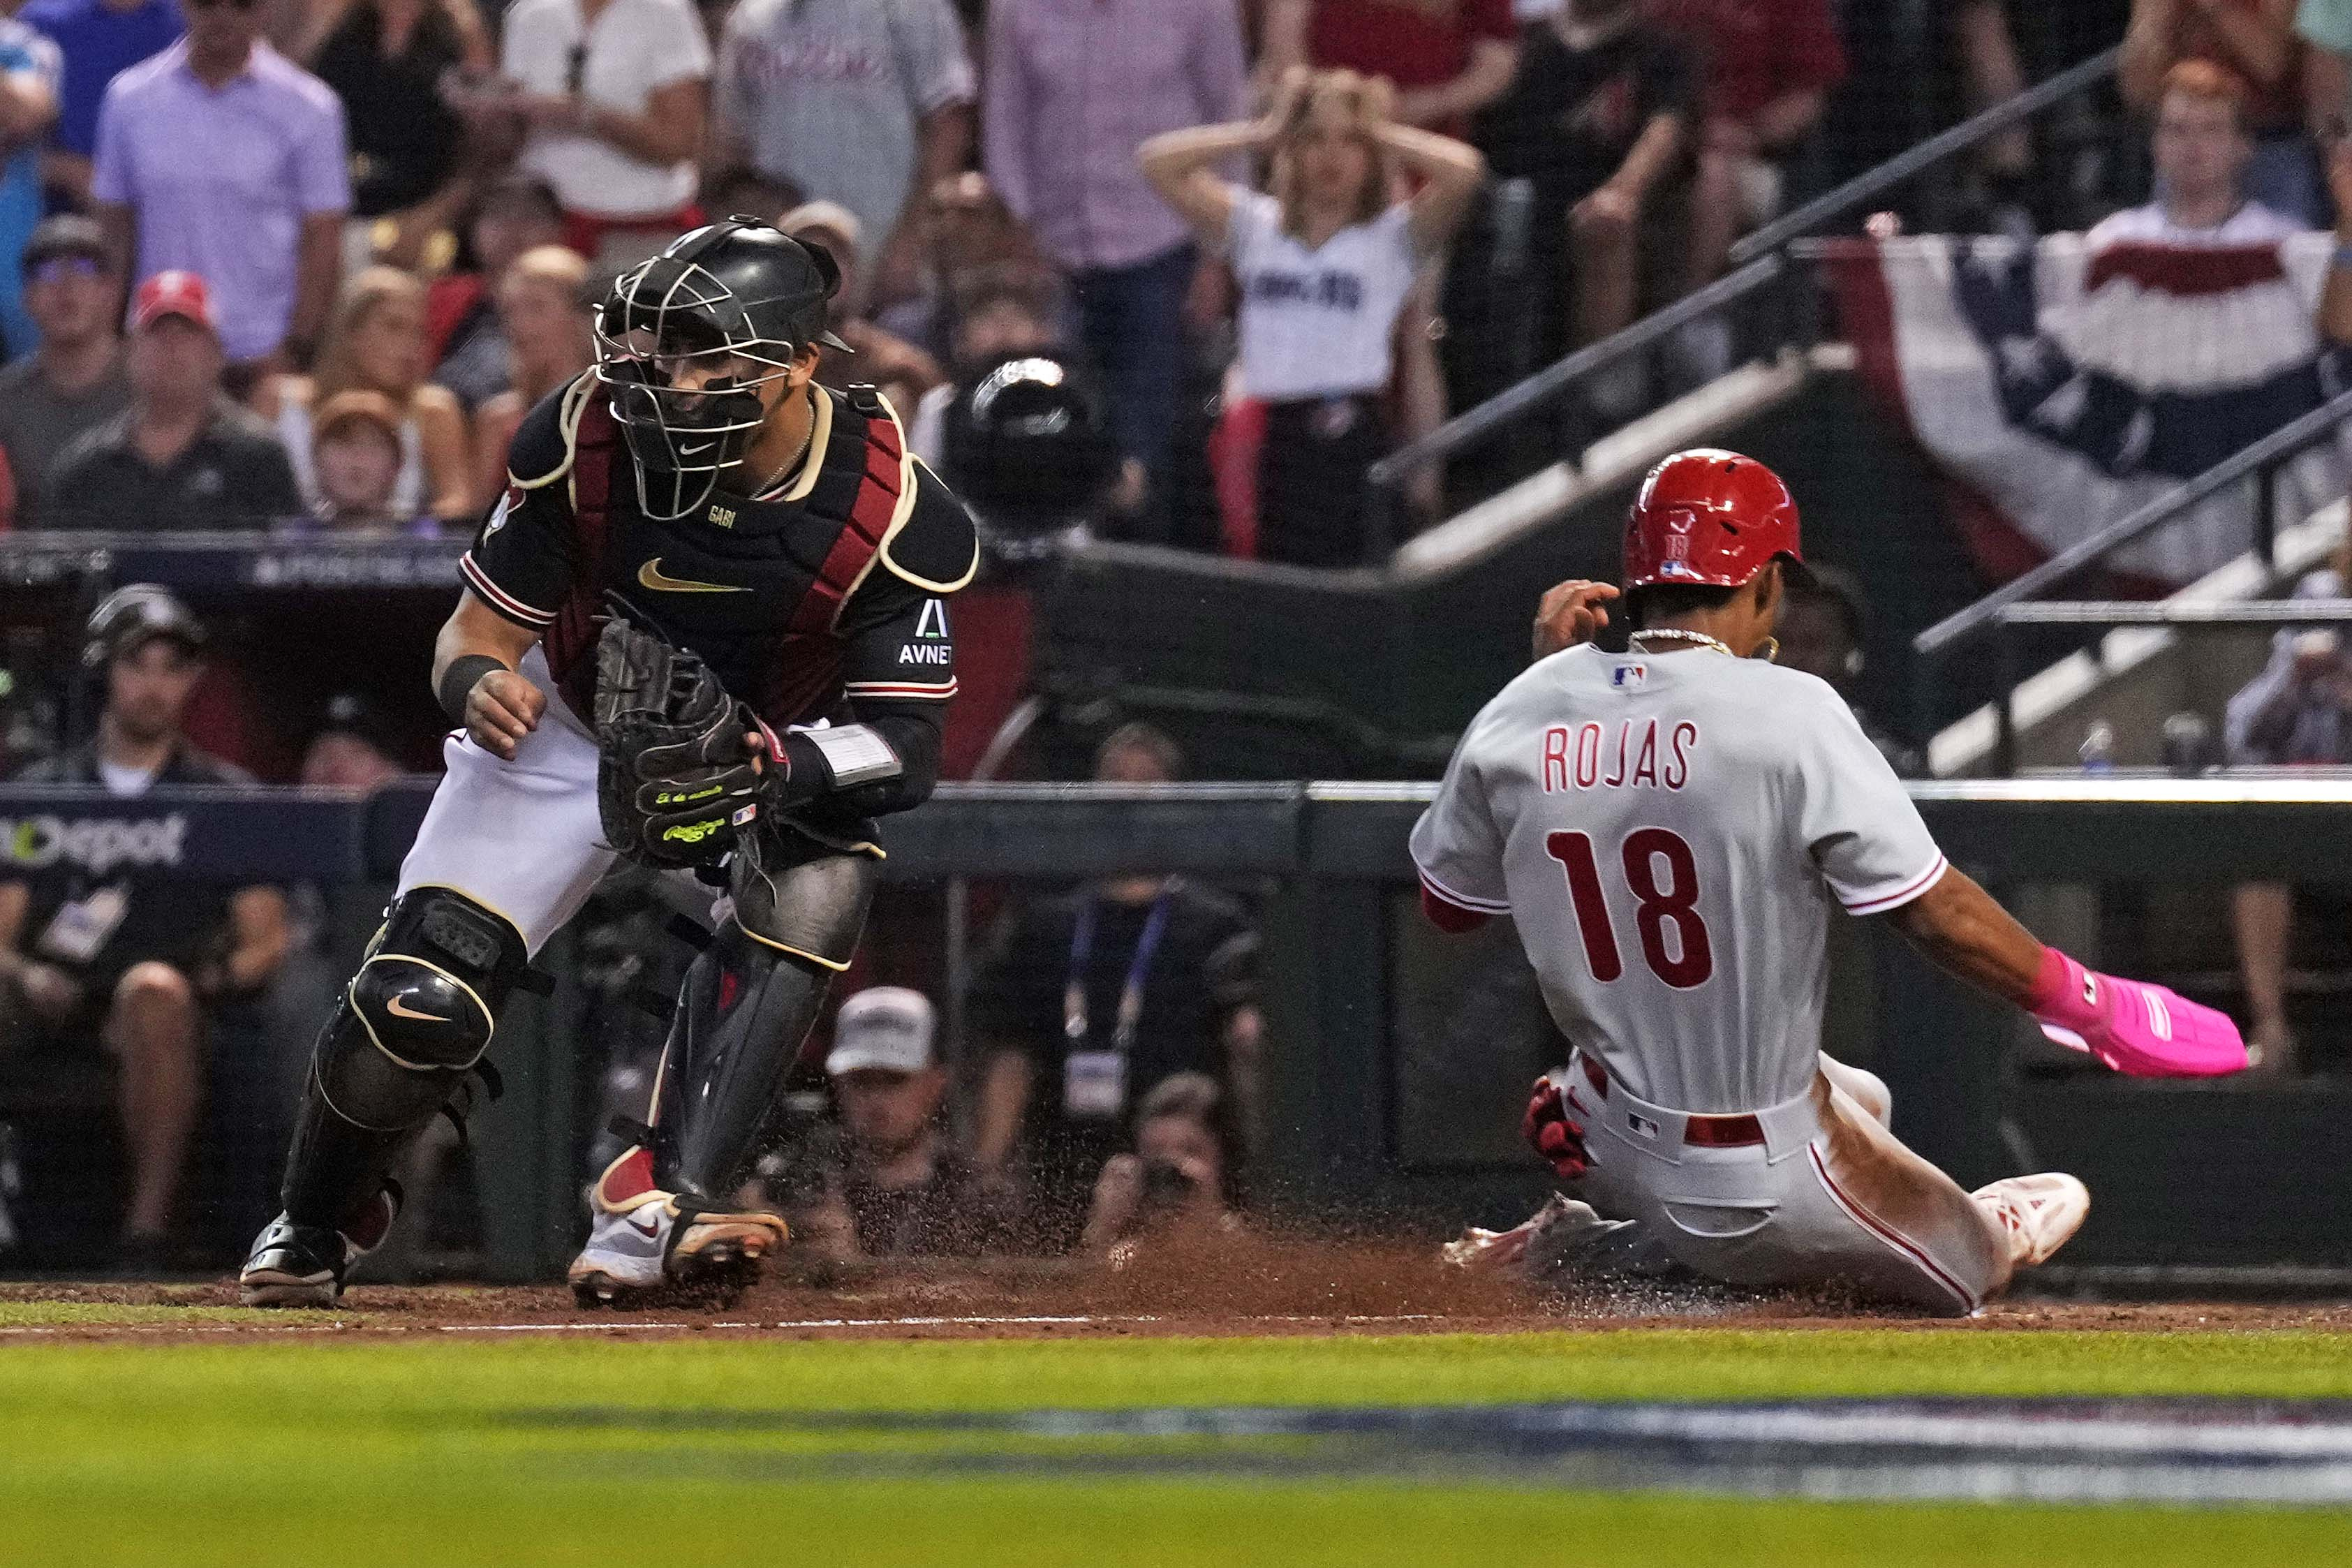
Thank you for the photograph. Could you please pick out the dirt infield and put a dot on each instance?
(1234, 1288)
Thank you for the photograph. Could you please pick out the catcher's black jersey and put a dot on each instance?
(792, 608)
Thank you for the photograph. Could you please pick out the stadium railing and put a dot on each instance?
(238, 559)
(1398, 1058)
(2107, 613)
(2006, 606)
(1763, 262)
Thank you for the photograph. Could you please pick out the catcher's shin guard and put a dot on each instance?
(413, 1023)
(748, 1002)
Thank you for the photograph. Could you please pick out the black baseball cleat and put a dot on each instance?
(296, 1265)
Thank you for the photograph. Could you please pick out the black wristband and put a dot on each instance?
(457, 681)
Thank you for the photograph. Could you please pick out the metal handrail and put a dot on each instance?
(1757, 262)
(1541, 388)
(1914, 162)
(2259, 460)
(2202, 616)
(2199, 618)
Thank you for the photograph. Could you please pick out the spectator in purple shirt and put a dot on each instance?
(1074, 87)
(221, 157)
(100, 39)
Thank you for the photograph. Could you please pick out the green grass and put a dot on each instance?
(126, 1315)
(472, 1450)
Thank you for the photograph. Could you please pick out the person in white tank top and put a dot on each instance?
(1325, 260)
(1666, 828)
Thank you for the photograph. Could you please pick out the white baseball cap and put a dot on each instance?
(884, 1028)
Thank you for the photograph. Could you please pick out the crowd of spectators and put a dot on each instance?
(367, 191)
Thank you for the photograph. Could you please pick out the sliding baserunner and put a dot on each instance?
(1667, 827)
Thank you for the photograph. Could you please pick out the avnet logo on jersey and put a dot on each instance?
(95, 844)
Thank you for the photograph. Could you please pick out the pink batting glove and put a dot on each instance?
(2146, 1031)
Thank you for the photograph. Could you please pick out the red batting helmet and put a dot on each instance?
(1710, 518)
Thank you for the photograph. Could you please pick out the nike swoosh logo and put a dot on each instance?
(651, 575)
(650, 1230)
(399, 1009)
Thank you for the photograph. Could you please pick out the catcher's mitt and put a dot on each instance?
(675, 777)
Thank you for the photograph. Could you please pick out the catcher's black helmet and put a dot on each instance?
(1028, 446)
(133, 616)
(739, 290)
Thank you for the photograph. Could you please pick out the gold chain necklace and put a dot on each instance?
(1696, 639)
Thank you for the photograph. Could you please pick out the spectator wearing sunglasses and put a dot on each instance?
(74, 382)
(222, 158)
(29, 67)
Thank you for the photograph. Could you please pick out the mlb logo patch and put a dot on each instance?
(1640, 1124)
(1626, 676)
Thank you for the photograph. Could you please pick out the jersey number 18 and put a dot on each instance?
(1656, 907)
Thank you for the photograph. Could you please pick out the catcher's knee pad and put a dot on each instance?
(806, 897)
(421, 1011)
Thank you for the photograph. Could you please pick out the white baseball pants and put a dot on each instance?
(1814, 1192)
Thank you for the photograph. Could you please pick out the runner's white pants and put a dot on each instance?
(1828, 1198)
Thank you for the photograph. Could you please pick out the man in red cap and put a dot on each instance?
(1665, 828)
(182, 456)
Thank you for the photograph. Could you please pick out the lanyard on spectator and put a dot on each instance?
(1076, 1023)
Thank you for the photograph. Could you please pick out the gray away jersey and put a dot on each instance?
(1666, 831)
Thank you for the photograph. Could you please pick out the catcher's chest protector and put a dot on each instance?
(754, 587)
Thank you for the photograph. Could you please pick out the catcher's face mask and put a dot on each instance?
(690, 390)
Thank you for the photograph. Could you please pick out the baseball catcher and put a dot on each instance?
(706, 628)
(1665, 827)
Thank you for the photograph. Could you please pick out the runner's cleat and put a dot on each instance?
(2037, 1214)
(305, 1265)
(645, 1244)
(1566, 1242)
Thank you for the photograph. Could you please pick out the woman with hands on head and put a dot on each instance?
(1325, 257)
